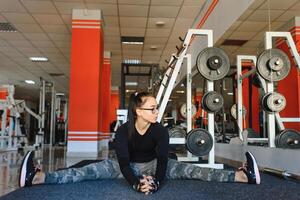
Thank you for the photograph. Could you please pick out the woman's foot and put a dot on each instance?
(251, 169)
(27, 170)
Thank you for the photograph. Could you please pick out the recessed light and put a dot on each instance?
(31, 82)
(153, 47)
(131, 83)
(160, 23)
(180, 91)
(132, 40)
(131, 61)
(38, 59)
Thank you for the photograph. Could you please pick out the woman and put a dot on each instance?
(142, 157)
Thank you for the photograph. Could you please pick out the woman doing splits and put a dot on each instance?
(142, 157)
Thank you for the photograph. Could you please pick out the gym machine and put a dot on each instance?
(213, 64)
(13, 135)
(272, 65)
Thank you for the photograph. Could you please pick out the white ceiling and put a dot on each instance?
(44, 29)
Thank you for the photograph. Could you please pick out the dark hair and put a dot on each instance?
(135, 101)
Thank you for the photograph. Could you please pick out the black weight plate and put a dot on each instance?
(199, 142)
(212, 101)
(177, 132)
(289, 139)
(273, 102)
(273, 65)
(213, 63)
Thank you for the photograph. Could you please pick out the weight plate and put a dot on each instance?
(289, 138)
(199, 142)
(273, 65)
(233, 111)
(183, 110)
(213, 63)
(177, 132)
(212, 101)
(273, 102)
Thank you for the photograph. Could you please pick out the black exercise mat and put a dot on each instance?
(270, 188)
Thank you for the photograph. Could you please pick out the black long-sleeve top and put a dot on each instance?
(144, 148)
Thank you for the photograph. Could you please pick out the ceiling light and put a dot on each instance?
(38, 59)
(60, 94)
(132, 40)
(131, 83)
(160, 23)
(130, 91)
(230, 93)
(132, 61)
(31, 82)
(153, 47)
(180, 91)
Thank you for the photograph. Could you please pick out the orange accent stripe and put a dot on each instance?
(86, 24)
(208, 12)
(86, 20)
(206, 15)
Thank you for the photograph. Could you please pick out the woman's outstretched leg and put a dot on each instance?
(180, 170)
(29, 175)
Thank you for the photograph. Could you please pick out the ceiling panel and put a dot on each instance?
(194, 2)
(134, 2)
(251, 26)
(11, 6)
(158, 32)
(48, 19)
(189, 11)
(44, 7)
(29, 28)
(263, 15)
(55, 28)
(278, 4)
(106, 9)
(19, 18)
(37, 36)
(133, 11)
(135, 22)
(138, 32)
(110, 21)
(164, 11)
(167, 2)
(66, 7)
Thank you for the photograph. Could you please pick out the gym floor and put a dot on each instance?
(51, 158)
(54, 158)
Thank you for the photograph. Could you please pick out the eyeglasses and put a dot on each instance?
(152, 109)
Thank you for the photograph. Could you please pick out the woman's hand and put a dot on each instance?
(149, 184)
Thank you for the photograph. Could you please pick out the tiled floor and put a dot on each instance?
(50, 158)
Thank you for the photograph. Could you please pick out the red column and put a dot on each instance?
(255, 101)
(86, 61)
(114, 104)
(105, 94)
(290, 86)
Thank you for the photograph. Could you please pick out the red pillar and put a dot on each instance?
(255, 101)
(290, 86)
(105, 94)
(114, 104)
(85, 81)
